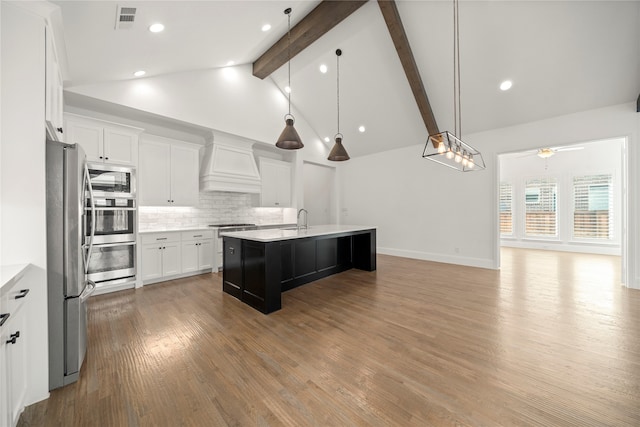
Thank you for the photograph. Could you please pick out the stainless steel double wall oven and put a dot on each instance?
(110, 225)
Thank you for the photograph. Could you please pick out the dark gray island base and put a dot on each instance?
(259, 265)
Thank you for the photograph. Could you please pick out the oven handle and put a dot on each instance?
(93, 218)
(111, 245)
(88, 290)
(110, 208)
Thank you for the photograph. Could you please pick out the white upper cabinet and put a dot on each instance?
(102, 141)
(53, 90)
(276, 183)
(184, 175)
(168, 172)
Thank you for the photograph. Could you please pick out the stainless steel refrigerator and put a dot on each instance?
(67, 286)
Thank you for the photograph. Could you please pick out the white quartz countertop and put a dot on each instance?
(203, 227)
(10, 273)
(273, 235)
(170, 229)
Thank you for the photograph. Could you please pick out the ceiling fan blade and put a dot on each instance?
(567, 148)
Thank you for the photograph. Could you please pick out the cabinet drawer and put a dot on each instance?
(197, 235)
(146, 239)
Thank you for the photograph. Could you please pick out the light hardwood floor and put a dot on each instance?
(550, 340)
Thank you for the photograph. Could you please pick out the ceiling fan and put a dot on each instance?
(546, 152)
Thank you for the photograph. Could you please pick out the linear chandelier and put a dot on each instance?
(445, 147)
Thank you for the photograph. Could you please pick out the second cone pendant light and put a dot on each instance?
(338, 152)
(289, 138)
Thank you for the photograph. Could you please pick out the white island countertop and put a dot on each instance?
(273, 235)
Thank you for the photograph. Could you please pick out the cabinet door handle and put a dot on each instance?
(106, 158)
(4, 317)
(197, 235)
(161, 238)
(13, 337)
(59, 130)
(100, 156)
(232, 250)
(23, 293)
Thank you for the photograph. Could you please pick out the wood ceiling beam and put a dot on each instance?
(318, 22)
(396, 30)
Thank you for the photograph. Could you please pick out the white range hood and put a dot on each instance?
(227, 164)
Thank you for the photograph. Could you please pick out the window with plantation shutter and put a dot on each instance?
(541, 207)
(506, 209)
(593, 207)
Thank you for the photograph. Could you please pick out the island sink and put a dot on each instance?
(259, 265)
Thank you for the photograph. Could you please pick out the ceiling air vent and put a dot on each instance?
(125, 17)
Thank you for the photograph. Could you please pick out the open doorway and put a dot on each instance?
(319, 194)
(569, 198)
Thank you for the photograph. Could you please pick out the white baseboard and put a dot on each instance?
(448, 259)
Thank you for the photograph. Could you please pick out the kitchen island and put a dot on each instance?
(259, 265)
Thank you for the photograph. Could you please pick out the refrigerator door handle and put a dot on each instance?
(93, 218)
(88, 290)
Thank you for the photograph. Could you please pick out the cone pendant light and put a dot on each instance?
(338, 152)
(289, 138)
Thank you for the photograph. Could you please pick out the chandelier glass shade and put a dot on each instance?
(446, 149)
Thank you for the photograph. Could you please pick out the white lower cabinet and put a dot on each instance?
(169, 255)
(197, 254)
(14, 336)
(160, 259)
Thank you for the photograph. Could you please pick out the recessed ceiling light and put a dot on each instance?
(139, 73)
(506, 85)
(287, 89)
(266, 27)
(361, 129)
(327, 139)
(230, 63)
(156, 28)
(323, 68)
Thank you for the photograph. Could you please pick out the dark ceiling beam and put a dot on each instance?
(318, 22)
(396, 30)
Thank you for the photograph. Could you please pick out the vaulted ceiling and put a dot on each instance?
(562, 56)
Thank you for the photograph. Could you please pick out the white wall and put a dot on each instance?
(426, 211)
(600, 157)
(23, 193)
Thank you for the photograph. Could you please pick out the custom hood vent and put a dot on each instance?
(228, 165)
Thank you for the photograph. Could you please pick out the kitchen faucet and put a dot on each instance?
(306, 217)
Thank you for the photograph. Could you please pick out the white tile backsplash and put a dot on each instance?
(215, 207)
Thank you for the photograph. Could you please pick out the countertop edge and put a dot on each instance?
(275, 235)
